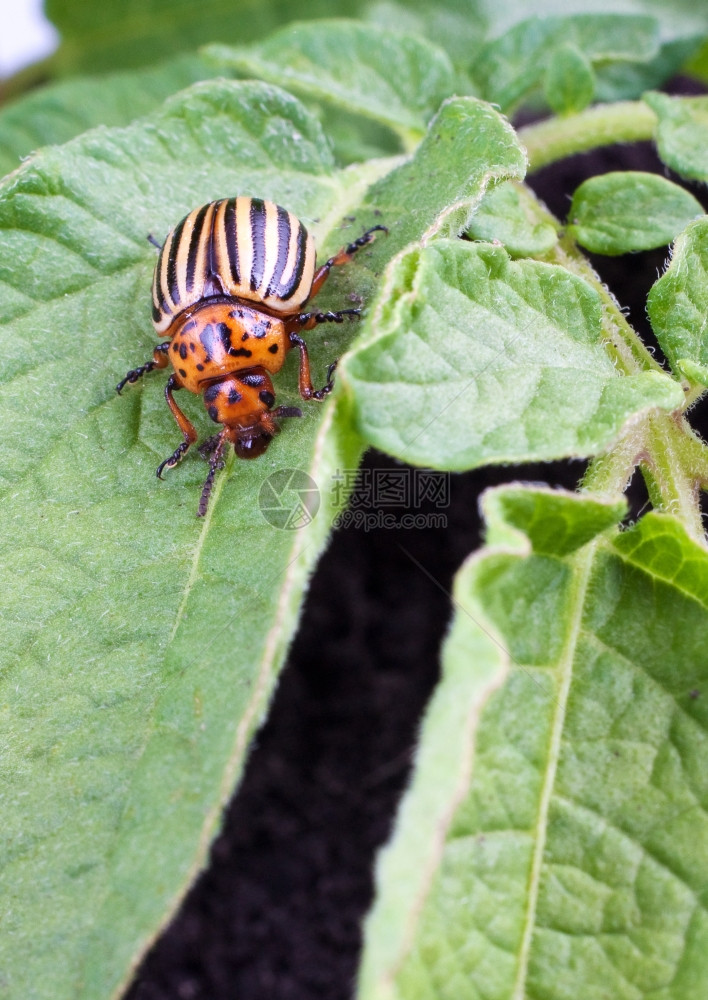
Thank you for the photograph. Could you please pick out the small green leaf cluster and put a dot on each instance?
(551, 841)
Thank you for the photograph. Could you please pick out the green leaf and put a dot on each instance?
(503, 217)
(678, 304)
(353, 138)
(458, 26)
(60, 111)
(628, 210)
(552, 522)
(468, 358)
(697, 66)
(469, 147)
(97, 37)
(569, 81)
(617, 81)
(396, 80)
(142, 644)
(550, 845)
(509, 69)
(682, 133)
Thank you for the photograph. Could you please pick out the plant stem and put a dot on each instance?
(558, 137)
(671, 482)
(609, 474)
(673, 462)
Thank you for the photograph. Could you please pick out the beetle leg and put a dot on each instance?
(286, 411)
(206, 448)
(344, 255)
(159, 360)
(305, 379)
(306, 321)
(216, 462)
(190, 435)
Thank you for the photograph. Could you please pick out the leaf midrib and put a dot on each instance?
(583, 565)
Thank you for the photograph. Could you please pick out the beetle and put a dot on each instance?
(230, 285)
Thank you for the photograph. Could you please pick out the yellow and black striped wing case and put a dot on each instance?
(242, 247)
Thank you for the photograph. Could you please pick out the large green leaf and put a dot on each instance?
(628, 210)
(396, 80)
(554, 846)
(624, 50)
(114, 33)
(470, 358)
(458, 26)
(141, 643)
(60, 111)
(678, 304)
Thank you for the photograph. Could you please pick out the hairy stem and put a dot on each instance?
(558, 137)
(671, 482)
(609, 474)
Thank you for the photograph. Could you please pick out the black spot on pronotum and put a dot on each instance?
(213, 413)
(252, 379)
(273, 348)
(224, 331)
(234, 395)
(206, 337)
(266, 397)
(211, 392)
(261, 328)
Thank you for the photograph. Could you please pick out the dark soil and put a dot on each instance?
(277, 914)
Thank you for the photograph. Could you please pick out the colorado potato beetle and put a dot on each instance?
(230, 284)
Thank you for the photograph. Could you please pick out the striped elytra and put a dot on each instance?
(244, 248)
